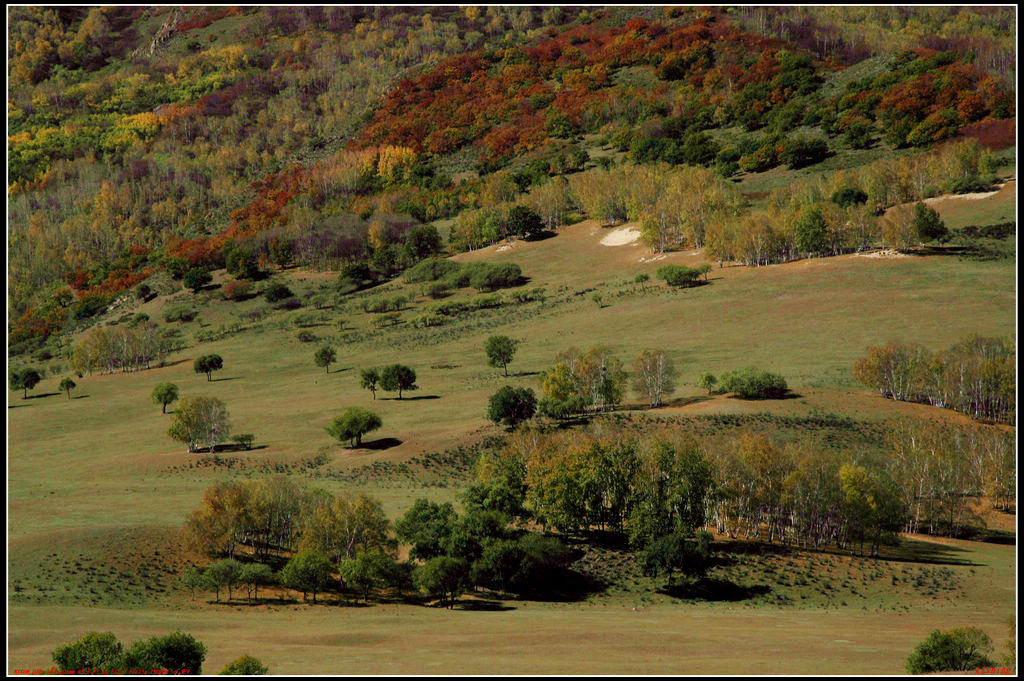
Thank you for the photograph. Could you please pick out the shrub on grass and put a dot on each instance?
(245, 666)
(752, 383)
(952, 651)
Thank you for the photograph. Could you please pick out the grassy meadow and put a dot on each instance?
(97, 490)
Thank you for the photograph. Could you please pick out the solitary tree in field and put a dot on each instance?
(307, 571)
(25, 379)
(207, 364)
(642, 279)
(370, 379)
(67, 385)
(500, 351)
(200, 421)
(398, 377)
(352, 424)
(164, 394)
(324, 357)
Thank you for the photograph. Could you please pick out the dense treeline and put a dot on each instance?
(976, 376)
(749, 487)
(118, 144)
(120, 141)
(853, 33)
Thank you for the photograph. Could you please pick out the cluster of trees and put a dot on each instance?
(595, 380)
(393, 377)
(842, 211)
(352, 538)
(681, 275)
(748, 487)
(483, 276)
(977, 376)
(123, 348)
(940, 469)
(750, 384)
(197, 421)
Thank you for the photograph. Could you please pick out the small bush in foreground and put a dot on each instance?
(245, 666)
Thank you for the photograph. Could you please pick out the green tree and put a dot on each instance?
(352, 424)
(179, 653)
(67, 385)
(524, 222)
(93, 651)
(957, 650)
(426, 526)
(276, 291)
(324, 357)
(928, 223)
(246, 665)
(810, 231)
(443, 577)
(193, 578)
(200, 421)
(164, 394)
(224, 573)
(207, 364)
(642, 279)
(308, 572)
(511, 406)
(677, 553)
(366, 572)
(500, 351)
(25, 379)
(255, 575)
(398, 377)
(707, 381)
(370, 378)
(196, 278)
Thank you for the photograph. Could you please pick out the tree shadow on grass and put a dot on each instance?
(911, 550)
(379, 444)
(477, 605)
(412, 399)
(39, 396)
(229, 378)
(708, 589)
(80, 397)
(525, 373)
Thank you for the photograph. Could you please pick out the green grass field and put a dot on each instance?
(97, 490)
